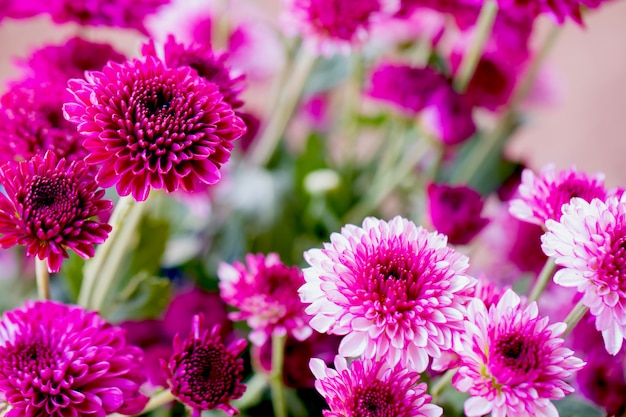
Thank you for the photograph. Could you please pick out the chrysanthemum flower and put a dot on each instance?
(59, 360)
(542, 196)
(204, 374)
(31, 123)
(589, 242)
(394, 289)
(456, 211)
(448, 117)
(366, 388)
(149, 126)
(206, 63)
(513, 362)
(113, 13)
(337, 25)
(48, 207)
(266, 292)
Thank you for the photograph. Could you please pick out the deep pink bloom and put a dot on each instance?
(203, 373)
(455, 211)
(394, 289)
(372, 388)
(206, 63)
(31, 122)
(114, 13)
(266, 292)
(513, 362)
(557, 10)
(60, 360)
(405, 87)
(59, 63)
(448, 117)
(150, 126)
(589, 242)
(332, 25)
(48, 207)
(464, 12)
(603, 380)
(542, 196)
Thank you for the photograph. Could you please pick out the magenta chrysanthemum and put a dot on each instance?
(333, 25)
(542, 196)
(59, 360)
(513, 362)
(204, 374)
(369, 389)
(589, 242)
(149, 126)
(266, 292)
(48, 207)
(396, 291)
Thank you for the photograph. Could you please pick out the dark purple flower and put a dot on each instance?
(207, 65)
(48, 207)
(150, 126)
(455, 211)
(59, 360)
(31, 123)
(114, 13)
(59, 63)
(204, 373)
(448, 116)
(405, 87)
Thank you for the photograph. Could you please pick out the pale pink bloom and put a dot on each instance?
(395, 290)
(589, 242)
(542, 196)
(368, 388)
(513, 362)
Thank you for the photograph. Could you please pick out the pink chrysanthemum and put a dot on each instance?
(114, 13)
(149, 126)
(266, 292)
(512, 362)
(367, 389)
(59, 360)
(332, 25)
(59, 63)
(542, 196)
(448, 117)
(31, 123)
(206, 63)
(204, 374)
(48, 207)
(589, 242)
(396, 290)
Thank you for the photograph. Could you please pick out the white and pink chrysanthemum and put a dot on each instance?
(542, 196)
(589, 242)
(266, 292)
(513, 362)
(396, 291)
(366, 388)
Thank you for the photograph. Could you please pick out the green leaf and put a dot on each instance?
(72, 273)
(572, 406)
(144, 297)
(154, 233)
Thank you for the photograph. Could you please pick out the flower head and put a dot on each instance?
(456, 212)
(589, 242)
(150, 126)
(367, 388)
(204, 374)
(59, 360)
(512, 362)
(542, 196)
(394, 289)
(266, 292)
(48, 207)
(448, 117)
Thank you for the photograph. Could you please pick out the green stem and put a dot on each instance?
(264, 147)
(254, 390)
(470, 61)
(276, 376)
(542, 280)
(442, 383)
(574, 317)
(157, 400)
(43, 279)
